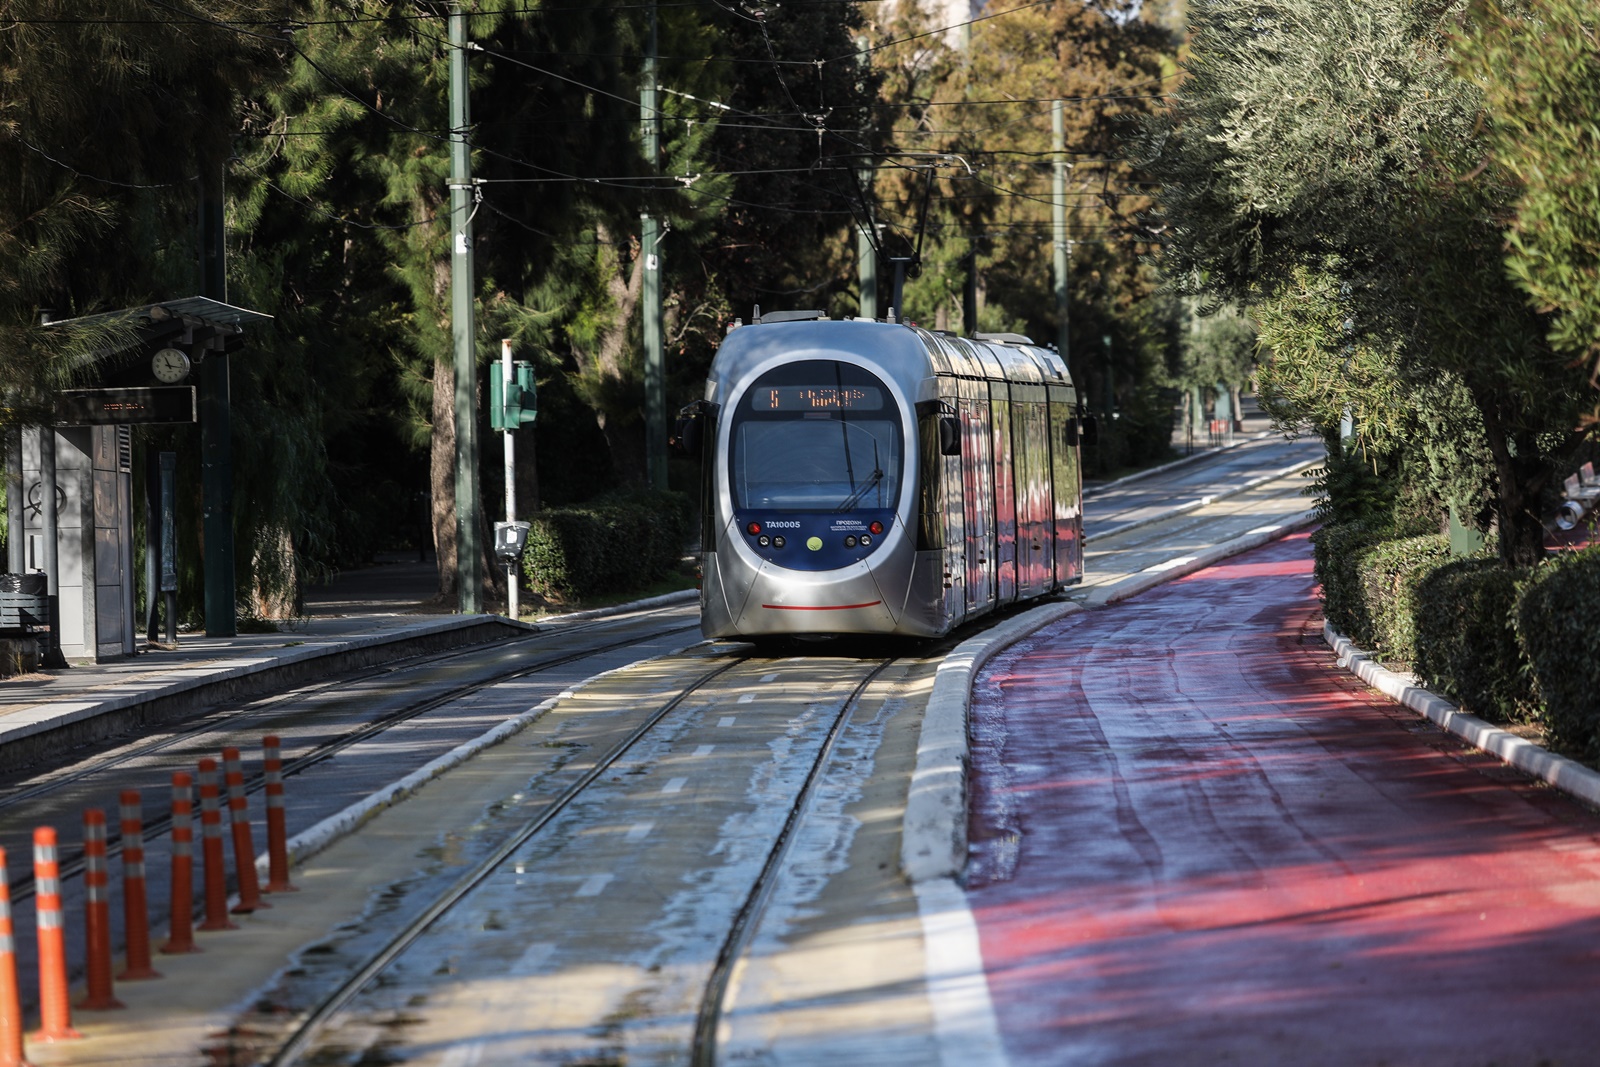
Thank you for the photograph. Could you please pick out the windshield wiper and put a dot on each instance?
(855, 498)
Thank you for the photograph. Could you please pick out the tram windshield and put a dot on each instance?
(816, 436)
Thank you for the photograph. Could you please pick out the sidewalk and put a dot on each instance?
(362, 617)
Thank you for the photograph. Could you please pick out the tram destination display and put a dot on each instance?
(817, 398)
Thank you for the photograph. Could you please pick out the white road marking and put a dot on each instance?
(726, 720)
(594, 885)
(466, 1055)
(533, 958)
(639, 831)
(704, 750)
(769, 677)
(675, 785)
(1262, 530)
(747, 698)
(958, 991)
(1169, 564)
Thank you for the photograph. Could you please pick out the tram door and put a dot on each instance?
(978, 496)
(955, 515)
(1066, 479)
(1005, 494)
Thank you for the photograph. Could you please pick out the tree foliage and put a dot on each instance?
(1323, 163)
(1538, 65)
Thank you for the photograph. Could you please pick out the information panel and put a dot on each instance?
(816, 398)
(98, 407)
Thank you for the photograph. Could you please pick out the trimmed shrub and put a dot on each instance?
(1466, 643)
(1337, 550)
(1558, 625)
(1389, 574)
(614, 544)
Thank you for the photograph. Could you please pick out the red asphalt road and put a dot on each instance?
(1196, 841)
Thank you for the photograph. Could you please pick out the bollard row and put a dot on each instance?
(55, 1011)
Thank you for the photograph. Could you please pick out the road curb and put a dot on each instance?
(933, 838)
(1567, 775)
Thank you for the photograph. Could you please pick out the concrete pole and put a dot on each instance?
(507, 375)
(866, 253)
(469, 552)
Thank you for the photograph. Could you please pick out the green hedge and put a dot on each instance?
(617, 543)
(1557, 621)
(1466, 645)
(1337, 549)
(1390, 573)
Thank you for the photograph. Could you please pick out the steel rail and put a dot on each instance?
(703, 1050)
(312, 1023)
(72, 864)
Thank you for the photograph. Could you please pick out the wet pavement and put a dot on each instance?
(1197, 841)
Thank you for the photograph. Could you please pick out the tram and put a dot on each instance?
(870, 477)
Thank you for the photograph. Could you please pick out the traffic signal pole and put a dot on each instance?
(469, 553)
(510, 436)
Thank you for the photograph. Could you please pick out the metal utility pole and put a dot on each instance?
(655, 388)
(469, 553)
(216, 434)
(1063, 247)
(866, 250)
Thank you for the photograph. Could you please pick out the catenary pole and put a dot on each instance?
(1063, 247)
(655, 394)
(469, 553)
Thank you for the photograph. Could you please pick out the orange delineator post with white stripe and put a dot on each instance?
(216, 877)
(135, 901)
(244, 850)
(277, 818)
(11, 1054)
(55, 1011)
(97, 914)
(180, 927)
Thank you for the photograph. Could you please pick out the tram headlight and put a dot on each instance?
(753, 528)
(850, 541)
(875, 526)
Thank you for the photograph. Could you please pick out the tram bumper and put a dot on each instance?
(769, 600)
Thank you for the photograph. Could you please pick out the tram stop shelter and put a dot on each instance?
(163, 362)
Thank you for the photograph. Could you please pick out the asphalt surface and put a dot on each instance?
(1196, 841)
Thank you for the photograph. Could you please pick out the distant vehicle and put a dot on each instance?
(870, 477)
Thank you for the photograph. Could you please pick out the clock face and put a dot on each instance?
(170, 365)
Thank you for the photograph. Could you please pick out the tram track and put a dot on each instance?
(256, 716)
(336, 1009)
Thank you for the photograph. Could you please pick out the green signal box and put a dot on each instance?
(514, 406)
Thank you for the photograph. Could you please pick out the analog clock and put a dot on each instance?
(170, 365)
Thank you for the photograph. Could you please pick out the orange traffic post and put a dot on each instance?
(10, 996)
(180, 928)
(244, 849)
(97, 914)
(277, 818)
(211, 854)
(55, 1011)
(135, 901)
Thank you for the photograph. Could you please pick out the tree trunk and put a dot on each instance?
(442, 474)
(1519, 483)
(624, 429)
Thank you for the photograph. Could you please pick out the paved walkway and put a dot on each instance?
(372, 613)
(1197, 841)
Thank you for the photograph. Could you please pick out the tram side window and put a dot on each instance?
(930, 504)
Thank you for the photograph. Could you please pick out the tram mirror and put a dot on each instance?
(949, 435)
(687, 432)
(1086, 428)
